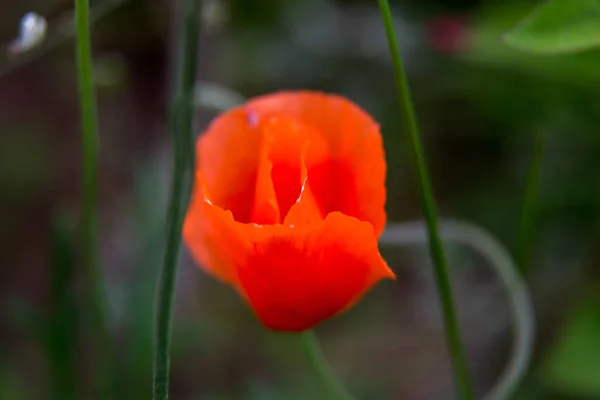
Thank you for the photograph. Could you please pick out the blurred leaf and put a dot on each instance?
(558, 26)
(574, 366)
(485, 49)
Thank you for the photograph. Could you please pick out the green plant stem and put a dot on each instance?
(181, 124)
(62, 327)
(442, 278)
(319, 363)
(528, 210)
(89, 125)
(523, 318)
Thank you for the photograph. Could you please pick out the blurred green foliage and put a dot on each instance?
(573, 366)
(558, 27)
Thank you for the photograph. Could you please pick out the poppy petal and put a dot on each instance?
(212, 235)
(228, 153)
(288, 145)
(352, 180)
(266, 208)
(296, 277)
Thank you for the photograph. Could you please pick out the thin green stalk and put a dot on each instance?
(89, 126)
(62, 327)
(442, 278)
(525, 232)
(181, 125)
(319, 363)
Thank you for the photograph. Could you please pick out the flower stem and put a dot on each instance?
(89, 126)
(442, 278)
(63, 324)
(483, 243)
(181, 125)
(524, 234)
(319, 363)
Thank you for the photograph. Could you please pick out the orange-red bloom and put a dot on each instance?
(288, 204)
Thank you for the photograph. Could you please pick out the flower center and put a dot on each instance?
(289, 150)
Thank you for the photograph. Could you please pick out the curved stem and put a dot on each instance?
(89, 128)
(444, 288)
(213, 96)
(478, 239)
(524, 234)
(415, 233)
(181, 125)
(319, 363)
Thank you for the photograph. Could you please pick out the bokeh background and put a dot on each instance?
(484, 110)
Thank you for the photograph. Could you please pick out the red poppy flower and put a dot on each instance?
(288, 204)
